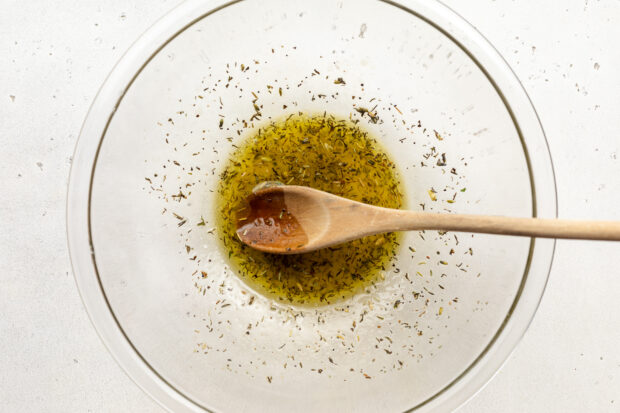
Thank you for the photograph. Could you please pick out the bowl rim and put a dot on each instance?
(443, 19)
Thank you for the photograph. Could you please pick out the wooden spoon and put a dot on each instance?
(288, 219)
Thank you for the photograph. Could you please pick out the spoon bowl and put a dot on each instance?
(283, 221)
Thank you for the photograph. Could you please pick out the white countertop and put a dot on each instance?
(55, 55)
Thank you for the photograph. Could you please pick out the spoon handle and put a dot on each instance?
(532, 227)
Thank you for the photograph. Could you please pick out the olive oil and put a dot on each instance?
(322, 152)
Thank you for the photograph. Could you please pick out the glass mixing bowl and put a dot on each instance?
(145, 250)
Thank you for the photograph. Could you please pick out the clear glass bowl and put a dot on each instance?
(158, 287)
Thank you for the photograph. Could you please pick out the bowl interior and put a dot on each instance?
(167, 279)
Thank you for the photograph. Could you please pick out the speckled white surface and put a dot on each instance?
(56, 54)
